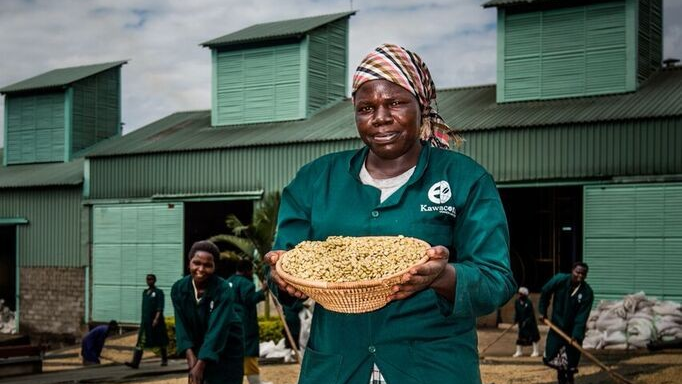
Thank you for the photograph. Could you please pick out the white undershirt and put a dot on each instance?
(196, 292)
(386, 186)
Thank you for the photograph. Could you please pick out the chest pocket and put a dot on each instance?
(435, 232)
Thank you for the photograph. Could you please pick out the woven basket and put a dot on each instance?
(348, 297)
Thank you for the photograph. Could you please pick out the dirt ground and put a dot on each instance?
(497, 367)
(116, 351)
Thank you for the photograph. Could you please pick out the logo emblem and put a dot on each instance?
(440, 192)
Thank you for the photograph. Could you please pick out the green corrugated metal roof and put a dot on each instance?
(468, 109)
(475, 108)
(60, 77)
(275, 30)
(507, 3)
(192, 131)
(41, 174)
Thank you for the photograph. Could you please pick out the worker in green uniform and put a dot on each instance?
(247, 298)
(152, 331)
(524, 318)
(404, 181)
(572, 301)
(208, 330)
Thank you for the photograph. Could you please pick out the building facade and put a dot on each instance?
(582, 133)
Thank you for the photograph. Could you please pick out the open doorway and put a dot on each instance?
(8, 266)
(206, 219)
(545, 228)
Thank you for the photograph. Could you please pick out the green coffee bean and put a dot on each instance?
(344, 259)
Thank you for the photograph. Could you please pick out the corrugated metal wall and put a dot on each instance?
(129, 242)
(566, 52)
(637, 228)
(35, 128)
(258, 84)
(242, 169)
(52, 236)
(650, 37)
(569, 152)
(327, 54)
(96, 108)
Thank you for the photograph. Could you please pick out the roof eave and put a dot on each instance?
(273, 39)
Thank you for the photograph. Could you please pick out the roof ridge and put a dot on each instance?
(60, 76)
(264, 31)
(88, 65)
(465, 87)
(298, 19)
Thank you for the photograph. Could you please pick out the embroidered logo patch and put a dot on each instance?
(440, 192)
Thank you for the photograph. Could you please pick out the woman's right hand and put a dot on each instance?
(271, 259)
(191, 359)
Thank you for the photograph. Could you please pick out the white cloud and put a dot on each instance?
(170, 72)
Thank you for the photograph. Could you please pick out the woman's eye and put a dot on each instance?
(365, 109)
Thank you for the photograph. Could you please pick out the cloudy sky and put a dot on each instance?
(169, 72)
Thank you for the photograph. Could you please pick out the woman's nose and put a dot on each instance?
(382, 116)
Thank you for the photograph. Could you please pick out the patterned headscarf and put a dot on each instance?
(406, 69)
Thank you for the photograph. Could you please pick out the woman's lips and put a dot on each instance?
(385, 137)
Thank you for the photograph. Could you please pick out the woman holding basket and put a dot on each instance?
(404, 181)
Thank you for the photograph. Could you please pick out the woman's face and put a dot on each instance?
(578, 274)
(201, 266)
(388, 118)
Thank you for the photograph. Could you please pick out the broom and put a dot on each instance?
(615, 375)
(480, 354)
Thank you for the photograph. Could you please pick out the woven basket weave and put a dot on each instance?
(348, 297)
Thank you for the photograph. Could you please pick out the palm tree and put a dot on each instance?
(253, 240)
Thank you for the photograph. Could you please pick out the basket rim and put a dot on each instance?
(349, 284)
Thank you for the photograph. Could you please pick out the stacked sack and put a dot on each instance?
(633, 323)
(8, 324)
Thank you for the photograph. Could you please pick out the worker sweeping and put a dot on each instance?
(524, 317)
(572, 301)
(152, 332)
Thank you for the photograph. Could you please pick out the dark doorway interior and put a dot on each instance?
(545, 227)
(206, 219)
(8, 266)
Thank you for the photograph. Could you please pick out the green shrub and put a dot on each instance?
(170, 329)
(270, 329)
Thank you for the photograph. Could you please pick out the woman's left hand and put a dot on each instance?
(425, 275)
(196, 374)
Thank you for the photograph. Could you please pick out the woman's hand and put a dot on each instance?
(436, 273)
(271, 259)
(196, 374)
(191, 359)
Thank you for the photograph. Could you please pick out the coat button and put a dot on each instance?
(371, 349)
(375, 213)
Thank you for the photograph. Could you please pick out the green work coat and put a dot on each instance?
(524, 316)
(211, 328)
(247, 298)
(152, 302)
(569, 313)
(449, 200)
